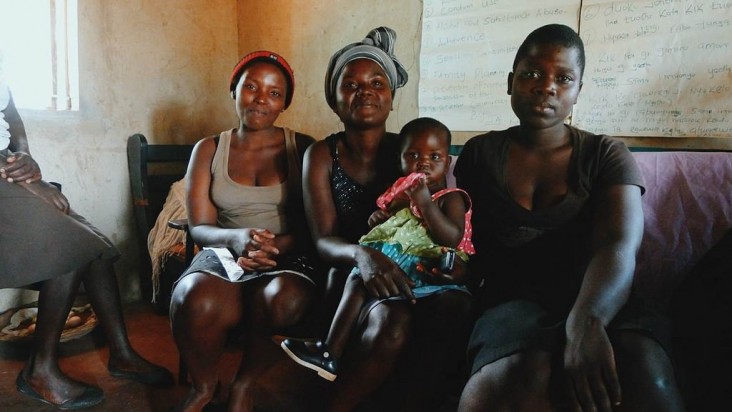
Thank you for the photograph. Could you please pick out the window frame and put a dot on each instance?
(43, 70)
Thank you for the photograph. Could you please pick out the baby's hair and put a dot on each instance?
(421, 124)
(553, 34)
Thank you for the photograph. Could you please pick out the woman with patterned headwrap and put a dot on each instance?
(245, 208)
(343, 176)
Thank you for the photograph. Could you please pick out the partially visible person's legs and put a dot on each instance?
(273, 304)
(519, 382)
(370, 358)
(203, 309)
(101, 285)
(41, 377)
(647, 378)
(522, 382)
(442, 324)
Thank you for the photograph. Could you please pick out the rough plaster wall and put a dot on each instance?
(159, 67)
(308, 32)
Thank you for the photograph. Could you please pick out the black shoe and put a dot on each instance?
(91, 396)
(317, 358)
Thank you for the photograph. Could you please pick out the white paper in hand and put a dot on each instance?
(233, 270)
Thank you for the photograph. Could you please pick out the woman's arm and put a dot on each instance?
(382, 277)
(21, 168)
(320, 209)
(618, 230)
(49, 193)
(19, 165)
(588, 357)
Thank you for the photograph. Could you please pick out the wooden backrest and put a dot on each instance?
(152, 169)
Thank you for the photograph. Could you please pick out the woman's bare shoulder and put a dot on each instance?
(206, 143)
(203, 151)
(318, 150)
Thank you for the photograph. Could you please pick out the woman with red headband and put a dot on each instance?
(243, 191)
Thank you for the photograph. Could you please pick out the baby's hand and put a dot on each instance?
(419, 193)
(439, 275)
(436, 277)
(378, 217)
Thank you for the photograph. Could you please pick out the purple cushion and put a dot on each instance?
(687, 208)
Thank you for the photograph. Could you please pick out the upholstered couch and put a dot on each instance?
(688, 211)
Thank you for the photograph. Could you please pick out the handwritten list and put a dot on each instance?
(657, 68)
(654, 67)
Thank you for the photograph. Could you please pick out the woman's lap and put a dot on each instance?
(302, 266)
(199, 285)
(520, 325)
(39, 241)
(422, 299)
(199, 295)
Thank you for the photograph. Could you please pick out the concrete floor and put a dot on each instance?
(85, 359)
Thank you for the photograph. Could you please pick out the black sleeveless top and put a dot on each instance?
(355, 202)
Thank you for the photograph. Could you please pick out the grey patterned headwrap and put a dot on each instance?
(378, 46)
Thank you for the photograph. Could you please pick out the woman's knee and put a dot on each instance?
(642, 362)
(201, 300)
(388, 328)
(288, 299)
(532, 371)
(521, 381)
(524, 375)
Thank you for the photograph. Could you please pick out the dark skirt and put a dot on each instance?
(519, 325)
(37, 241)
(223, 265)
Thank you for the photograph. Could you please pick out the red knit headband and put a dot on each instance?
(269, 57)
